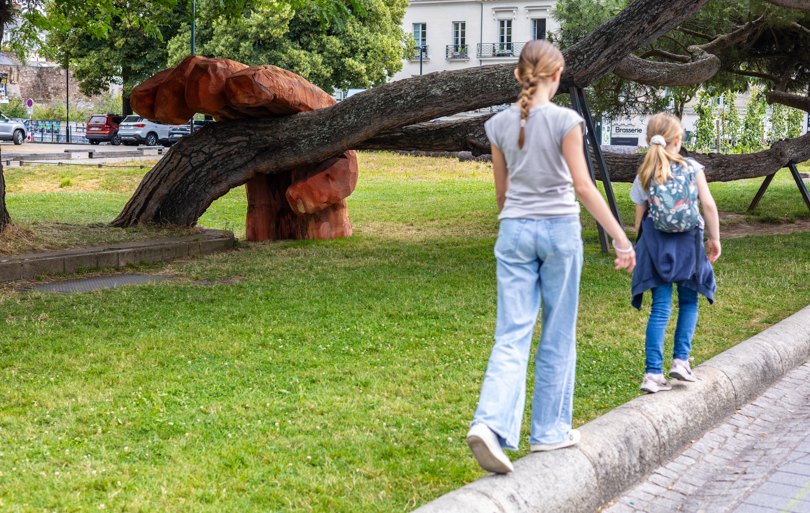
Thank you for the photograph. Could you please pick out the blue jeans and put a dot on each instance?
(657, 325)
(536, 259)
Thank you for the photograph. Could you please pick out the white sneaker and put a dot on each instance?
(486, 448)
(653, 383)
(573, 439)
(681, 370)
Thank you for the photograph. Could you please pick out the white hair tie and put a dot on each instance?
(658, 139)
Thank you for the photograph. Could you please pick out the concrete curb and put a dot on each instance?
(628, 442)
(25, 267)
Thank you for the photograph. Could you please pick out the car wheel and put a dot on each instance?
(93, 141)
(18, 137)
(116, 139)
(151, 139)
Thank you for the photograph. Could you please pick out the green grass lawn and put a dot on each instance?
(331, 375)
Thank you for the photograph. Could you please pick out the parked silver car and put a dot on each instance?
(12, 130)
(137, 130)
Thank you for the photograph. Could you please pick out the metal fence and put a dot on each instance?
(457, 52)
(48, 131)
(499, 49)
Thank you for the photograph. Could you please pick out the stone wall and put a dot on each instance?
(43, 85)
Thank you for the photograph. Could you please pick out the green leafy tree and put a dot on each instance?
(753, 131)
(15, 108)
(360, 51)
(730, 123)
(128, 55)
(705, 134)
(786, 123)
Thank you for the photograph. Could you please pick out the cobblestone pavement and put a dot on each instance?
(757, 461)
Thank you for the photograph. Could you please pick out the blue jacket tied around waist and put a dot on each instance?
(663, 258)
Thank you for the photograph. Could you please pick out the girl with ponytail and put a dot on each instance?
(537, 156)
(668, 192)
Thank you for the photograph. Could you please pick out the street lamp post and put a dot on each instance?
(193, 23)
(67, 100)
(421, 50)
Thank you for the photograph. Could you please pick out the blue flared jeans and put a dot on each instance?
(657, 325)
(536, 260)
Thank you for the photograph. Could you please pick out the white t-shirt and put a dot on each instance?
(539, 178)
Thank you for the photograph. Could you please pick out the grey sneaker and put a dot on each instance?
(653, 383)
(681, 370)
(486, 448)
(573, 438)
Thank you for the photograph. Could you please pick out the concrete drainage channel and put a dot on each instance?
(628, 442)
(25, 267)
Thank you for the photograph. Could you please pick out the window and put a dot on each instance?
(459, 34)
(505, 35)
(539, 29)
(420, 33)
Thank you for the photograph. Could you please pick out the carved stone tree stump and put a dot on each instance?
(304, 203)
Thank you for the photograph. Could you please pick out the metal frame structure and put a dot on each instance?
(580, 104)
(768, 179)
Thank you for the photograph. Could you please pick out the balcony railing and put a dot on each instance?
(417, 50)
(457, 52)
(492, 50)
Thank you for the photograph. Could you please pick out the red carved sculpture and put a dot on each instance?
(306, 203)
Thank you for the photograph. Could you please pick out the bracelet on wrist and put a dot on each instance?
(626, 250)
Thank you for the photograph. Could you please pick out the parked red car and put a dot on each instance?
(104, 127)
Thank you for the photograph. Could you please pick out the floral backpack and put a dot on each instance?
(673, 205)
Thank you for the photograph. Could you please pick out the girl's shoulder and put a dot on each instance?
(690, 165)
(504, 116)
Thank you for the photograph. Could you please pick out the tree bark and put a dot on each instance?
(126, 108)
(204, 166)
(701, 69)
(791, 100)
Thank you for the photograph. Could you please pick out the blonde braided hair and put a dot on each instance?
(539, 60)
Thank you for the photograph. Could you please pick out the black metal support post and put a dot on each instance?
(796, 178)
(67, 101)
(580, 104)
(761, 192)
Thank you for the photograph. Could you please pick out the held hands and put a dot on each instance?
(625, 256)
(713, 249)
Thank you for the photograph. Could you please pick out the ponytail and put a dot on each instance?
(662, 129)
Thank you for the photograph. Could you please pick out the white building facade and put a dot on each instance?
(456, 34)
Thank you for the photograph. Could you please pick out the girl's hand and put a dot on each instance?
(626, 260)
(713, 249)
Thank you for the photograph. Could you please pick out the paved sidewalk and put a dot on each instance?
(758, 461)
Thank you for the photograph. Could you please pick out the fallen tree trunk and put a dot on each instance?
(442, 136)
(204, 166)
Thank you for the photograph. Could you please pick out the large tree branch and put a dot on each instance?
(802, 5)
(753, 74)
(204, 166)
(791, 100)
(438, 136)
(702, 68)
(655, 52)
(737, 35)
(801, 29)
(702, 65)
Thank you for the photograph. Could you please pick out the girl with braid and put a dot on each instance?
(537, 155)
